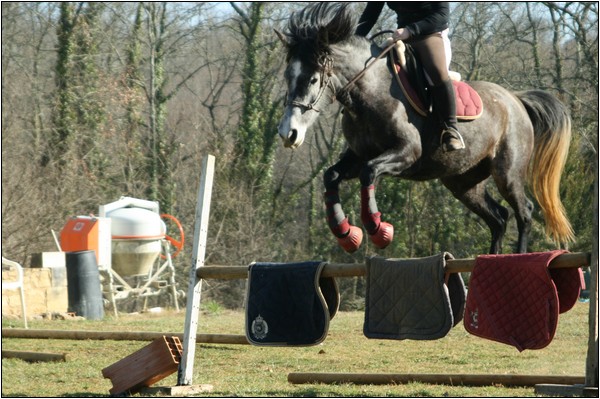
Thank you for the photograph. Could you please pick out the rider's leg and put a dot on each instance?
(444, 107)
(431, 50)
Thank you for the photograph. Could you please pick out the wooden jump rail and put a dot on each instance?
(569, 260)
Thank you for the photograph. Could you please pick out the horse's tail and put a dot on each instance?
(552, 132)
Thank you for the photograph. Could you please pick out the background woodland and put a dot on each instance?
(103, 99)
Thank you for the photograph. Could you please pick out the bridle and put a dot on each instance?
(311, 106)
(326, 66)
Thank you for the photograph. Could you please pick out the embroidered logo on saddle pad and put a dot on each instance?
(289, 304)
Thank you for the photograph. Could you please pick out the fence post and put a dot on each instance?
(192, 313)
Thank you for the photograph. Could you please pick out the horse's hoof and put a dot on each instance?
(383, 236)
(352, 241)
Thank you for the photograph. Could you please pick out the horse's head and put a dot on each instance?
(310, 90)
(309, 73)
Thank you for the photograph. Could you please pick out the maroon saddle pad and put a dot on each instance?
(468, 102)
(515, 299)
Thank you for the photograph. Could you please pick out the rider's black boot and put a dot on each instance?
(444, 107)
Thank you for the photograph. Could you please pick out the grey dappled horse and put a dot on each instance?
(517, 134)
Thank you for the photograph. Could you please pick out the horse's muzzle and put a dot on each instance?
(292, 128)
(292, 139)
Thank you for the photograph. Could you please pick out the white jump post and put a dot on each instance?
(186, 367)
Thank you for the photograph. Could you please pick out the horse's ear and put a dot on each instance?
(282, 37)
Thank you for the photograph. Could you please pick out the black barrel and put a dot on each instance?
(83, 284)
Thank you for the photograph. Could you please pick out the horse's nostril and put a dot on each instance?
(293, 136)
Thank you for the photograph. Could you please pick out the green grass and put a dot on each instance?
(244, 370)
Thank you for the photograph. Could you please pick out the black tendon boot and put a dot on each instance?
(444, 108)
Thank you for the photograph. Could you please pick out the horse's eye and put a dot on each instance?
(313, 81)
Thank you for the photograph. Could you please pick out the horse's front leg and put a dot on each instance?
(390, 163)
(348, 167)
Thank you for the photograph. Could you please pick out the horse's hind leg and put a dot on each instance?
(509, 169)
(470, 190)
(511, 187)
(348, 167)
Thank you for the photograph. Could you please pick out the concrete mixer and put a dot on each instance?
(140, 258)
(136, 240)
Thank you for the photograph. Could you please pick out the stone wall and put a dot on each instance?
(45, 291)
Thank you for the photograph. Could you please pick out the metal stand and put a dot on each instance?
(144, 286)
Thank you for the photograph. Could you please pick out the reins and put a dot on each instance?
(365, 69)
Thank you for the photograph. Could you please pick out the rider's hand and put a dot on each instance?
(401, 34)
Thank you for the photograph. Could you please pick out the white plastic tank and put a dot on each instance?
(136, 239)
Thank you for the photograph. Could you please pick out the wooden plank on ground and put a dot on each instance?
(232, 339)
(566, 391)
(34, 356)
(448, 379)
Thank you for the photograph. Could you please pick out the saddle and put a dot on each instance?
(412, 298)
(289, 304)
(515, 299)
(411, 78)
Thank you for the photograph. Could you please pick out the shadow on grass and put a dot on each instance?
(217, 347)
(311, 392)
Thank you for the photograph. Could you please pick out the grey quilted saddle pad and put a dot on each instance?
(412, 298)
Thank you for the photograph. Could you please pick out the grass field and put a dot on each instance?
(243, 370)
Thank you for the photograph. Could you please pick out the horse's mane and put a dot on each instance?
(312, 30)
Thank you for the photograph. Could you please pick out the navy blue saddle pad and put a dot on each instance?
(289, 304)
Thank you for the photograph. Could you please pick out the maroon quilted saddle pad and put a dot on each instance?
(515, 299)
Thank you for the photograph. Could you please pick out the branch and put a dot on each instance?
(184, 80)
(239, 11)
